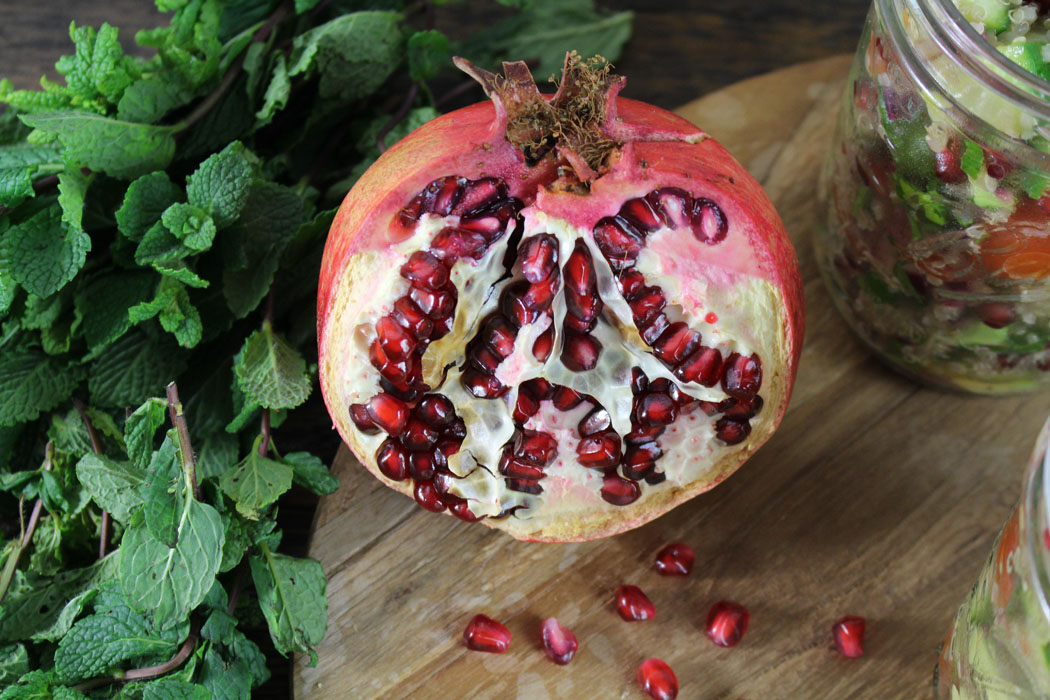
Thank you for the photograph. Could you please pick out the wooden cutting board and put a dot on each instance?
(877, 498)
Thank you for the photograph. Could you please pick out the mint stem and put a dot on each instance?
(96, 447)
(142, 674)
(264, 429)
(178, 420)
(8, 572)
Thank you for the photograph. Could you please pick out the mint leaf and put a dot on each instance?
(41, 685)
(72, 185)
(292, 597)
(98, 643)
(277, 92)
(120, 149)
(220, 185)
(148, 99)
(160, 246)
(20, 163)
(70, 612)
(310, 472)
(256, 482)
(14, 662)
(428, 52)
(174, 689)
(140, 429)
(112, 485)
(104, 304)
(270, 372)
(972, 161)
(34, 602)
(191, 225)
(98, 69)
(144, 202)
(42, 254)
(177, 315)
(165, 500)
(353, 54)
(225, 680)
(131, 370)
(31, 383)
(169, 582)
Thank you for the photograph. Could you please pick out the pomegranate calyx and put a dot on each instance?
(571, 123)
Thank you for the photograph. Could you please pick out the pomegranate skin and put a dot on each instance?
(659, 151)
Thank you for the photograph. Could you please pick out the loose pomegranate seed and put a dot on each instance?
(421, 466)
(948, 166)
(656, 409)
(633, 604)
(541, 349)
(996, 315)
(436, 411)
(709, 222)
(387, 412)
(849, 636)
(654, 328)
(425, 270)
(675, 559)
(536, 447)
(711, 317)
(359, 414)
(742, 376)
(726, 623)
(485, 634)
(539, 257)
(559, 643)
(580, 352)
(579, 270)
(732, 430)
(435, 304)
(641, 213)
(676, 343)
(599, 451)
(596, 421)
(391, 458)
(658, 680)
(482, 385)
(619, 491)
(428, 497)
(703, 366)
(412, 318)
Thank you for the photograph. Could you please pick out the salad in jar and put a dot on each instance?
(937, 248)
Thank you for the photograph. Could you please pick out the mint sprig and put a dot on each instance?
(162, 220)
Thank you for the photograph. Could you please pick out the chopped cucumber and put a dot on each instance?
(994, 13)
(1028, 55)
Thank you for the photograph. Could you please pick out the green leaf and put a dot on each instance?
(169, 582)
(292, 597)
(132, 369)
(220, 185)
(310, 472)
(225, 680)
(144, 202)
(123, 150)
(216, 454)
(148, 99)
(428, 52)
(112, 485)
(353, 54)
(20, 163)
(164, 497)
(42, 254)
(160, 246)
(31, 383)
(98, 643)
(140, 429)
(972, 161)
(99, 68)
(174, 689)
(270, 372)
(277, 92)
(104, 304)
(72, 185)
(304, 6)
(191, 225)
(177, 315)
(256, 482)
(14, 662)
(70, 612)
(41, 685)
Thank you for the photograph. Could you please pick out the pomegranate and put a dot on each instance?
(559, 643)
(675, 559)
(633, 604)
(849, 636)
(485, 634)
(726, 623)
(561, 315)
(658, 680)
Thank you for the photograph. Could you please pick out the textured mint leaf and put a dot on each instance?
(176, 314)
(271, 372)
(132, 369)
(31, 383)
(41, 685)
(140, 429)
(220, 185)
(225, 680)
(16, 186)
(150, 98)
(20, 163)
(255, 483)
(221, 629)
(144, 202)
(353, 54)
(42, 312)
(292, 597)
(112, 485)
(310, 472)
(179, 270)
(42, 254)
(238, 539)
(45, 556)
(160, 245)
(174, 689)
(70, 612)
(98, 643)
(12, 130)
(164, 499)
(277, 92)
(169, 582)
(14, 663)
(99, 68)
(304, 6)
(191, 225)
(429, 51)
(72, 186)
(120, 149)
(8, 287)
(104, 304)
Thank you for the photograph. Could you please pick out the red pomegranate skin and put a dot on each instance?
(659, 150)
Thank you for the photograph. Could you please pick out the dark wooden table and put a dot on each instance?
(680, 50)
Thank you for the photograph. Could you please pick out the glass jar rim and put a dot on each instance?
(1037, 492)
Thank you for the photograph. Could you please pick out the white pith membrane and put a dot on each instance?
(747, 311)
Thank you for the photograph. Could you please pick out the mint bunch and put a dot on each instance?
(161, 227)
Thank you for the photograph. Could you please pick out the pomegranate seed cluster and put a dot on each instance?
(548, 329)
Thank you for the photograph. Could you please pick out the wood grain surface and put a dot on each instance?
(877, 498)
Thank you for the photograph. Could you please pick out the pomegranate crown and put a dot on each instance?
(570, 124)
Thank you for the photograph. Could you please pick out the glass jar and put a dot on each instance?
(999, 645)
(937, 245)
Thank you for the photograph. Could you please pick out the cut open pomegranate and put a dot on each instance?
(560, 315)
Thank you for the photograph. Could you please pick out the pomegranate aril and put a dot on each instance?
(392, 460)
(676, 343)
(480, 194)
(397, 372)
(387, 412)
(656, 409)
(539, 257)
(498, 333)
(536, 447)
(515, 468)
(703, 366)
(732, 430)
(539, 296)
(709, 222)
(741, 408)
(646, 303)
(457, 428)
(448, 445)
(512, 306)
(544, 344)
(599, 451)
(411, 213)
(579, 325)
(565, 398)
(637, 472)
(742, 375)
(491, 227)
(581, 352)
(640, 435)
(411, 318)
(675, 560)
(485, 634)
(654, 328)
(524, 485)
(656, 478)
(451, 244)
(727, 623)
(481, 385)
(630, 282)
(578, 273)
(428, 497)
(673, 205)
(849, 636)
(585, 307)
(435, 304)
(421, 466)
(525, 407)
(658, 680)
(359, 415)
(559, 643)
(633, 605)
(639, 382)
(618, 241)
(461, 509)
(641, 213)
(485, 359)
(436, 411)
(619, 491)
(640, 460)
(417, 435)
(442, 327)
(425, 270)
(596, 421)
(409, 390)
